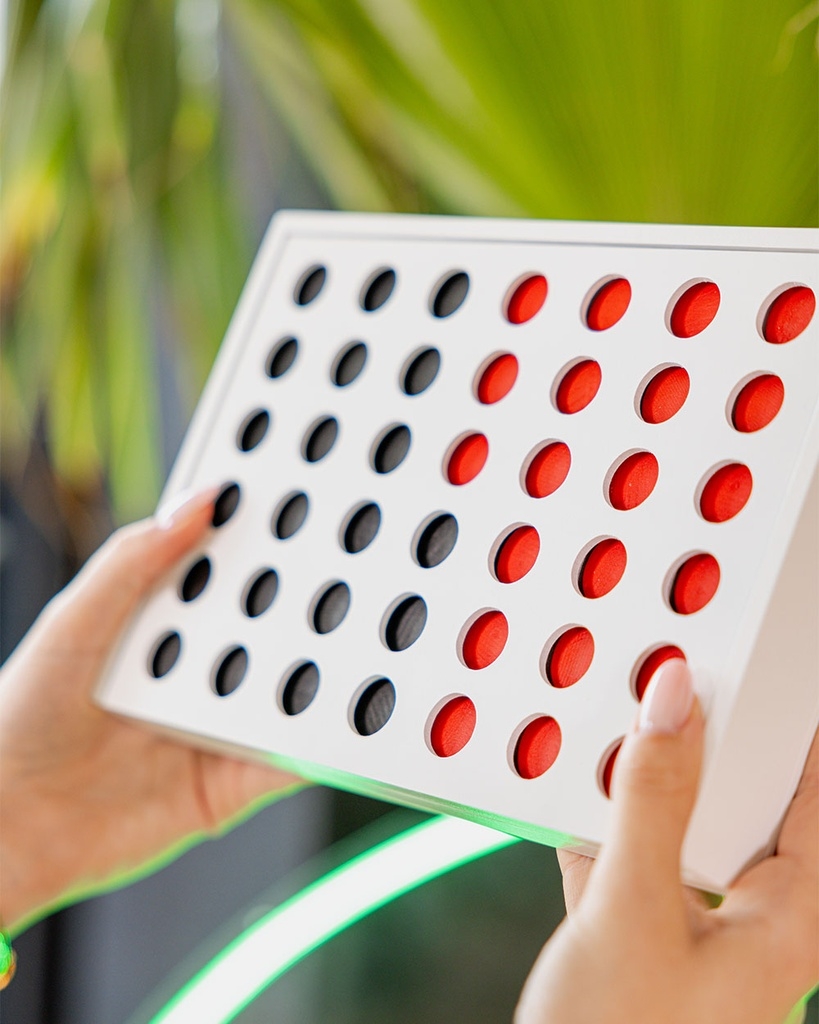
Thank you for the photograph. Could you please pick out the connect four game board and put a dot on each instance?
(479, 479)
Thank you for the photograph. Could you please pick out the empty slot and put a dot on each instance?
(546, 468)
(196, 579)
(420, 371)
(757, 402)
(404, 623)
(516, 554)
(290, 515)
(374, 707)
(310, 285)
(360, 528)
(436, 540)
(631, 480)
(379, 288)
(577, 386)
(329, 607)
(348, 364)
(569, 657)
(608, 304)
(693, 309)
(525, 298)
(229, 671)
(537, 747)
(725, 492)
(319, 439)
(452, 726)
(391, 449)
(664, 394)
(602, 568)
(299, 688)
(281, 357)
(253, 429)
(484, 639)
(496, 379)
(466, 459)
(226, 504)
(260, 592)
(165, 654)
(605, 772)
(694, 583)
(450, 293)
(788, 315)
(649, 662)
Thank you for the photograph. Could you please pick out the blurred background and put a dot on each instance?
(145, 144)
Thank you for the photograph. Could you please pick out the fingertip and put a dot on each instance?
(186, 508)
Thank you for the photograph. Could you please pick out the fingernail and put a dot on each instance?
(668, 699)
(184, 505)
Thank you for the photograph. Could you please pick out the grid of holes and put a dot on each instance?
(598, 568)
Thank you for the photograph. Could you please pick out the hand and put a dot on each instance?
(638, 948)
(90, 799)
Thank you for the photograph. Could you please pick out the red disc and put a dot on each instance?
(726, 493)
(485, 639)
(570, 657)
(453, 727)
(665, 394)
(497, 379)
(603, 568)
(650, 664)
(608, 769)
(548, 469)
(537, 747)
(609, 304)
(578, 387)
(758, 403)
(695, 584)
(789, 314)
(517, 554)
(527, 299)
(695, 309)
(633, 481)
(468, 459)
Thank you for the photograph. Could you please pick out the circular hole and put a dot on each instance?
(448, 296)
(577, 386)
(725, 492)
(299, 687)
(435, 540)
(319, 439)
(495, 380)
(664, 394)
(608, 303)
(568, 656)
(253, 429)
(226, 504)
(545, 468)
(602, 568)
(694, 583)
(229, 671)
(281, 357)
(788, 314)
(309, 286)
(631, 480)
(516, 554)
(329, 607)
(260, 592)
(466, 458)
(693, 308)
(165, 654)
(649, 662)
(391, 449)
(525, 298)
(605, 772)
(348, 364)
(452, 726)
(420, 371)
(537, 747)
(404, 622)
(196, 579)
(290, 514)
(374, 707)
(360, 527)
(756, 403)
(483, 639)
(377, 290)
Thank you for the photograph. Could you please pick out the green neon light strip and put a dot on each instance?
(272, 945)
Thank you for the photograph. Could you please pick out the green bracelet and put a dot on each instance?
(8, 960)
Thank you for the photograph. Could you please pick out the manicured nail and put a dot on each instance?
(183, 506)
(668, 699)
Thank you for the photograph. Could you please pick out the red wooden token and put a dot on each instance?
(609, 304)
(758, 403)
(695, 309)
(570, 657)
(695, 584)
(527, 299)
(548, 469)
(485, 639)
(651, 663)
(468, 459)
(633, 481)
(537, 747)
(665, 394)
(789, 314)
(517, 554)
(453, 727)
(603, 568)
(608, 769)
(726, 493)
(579, 386)
(497, 379)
